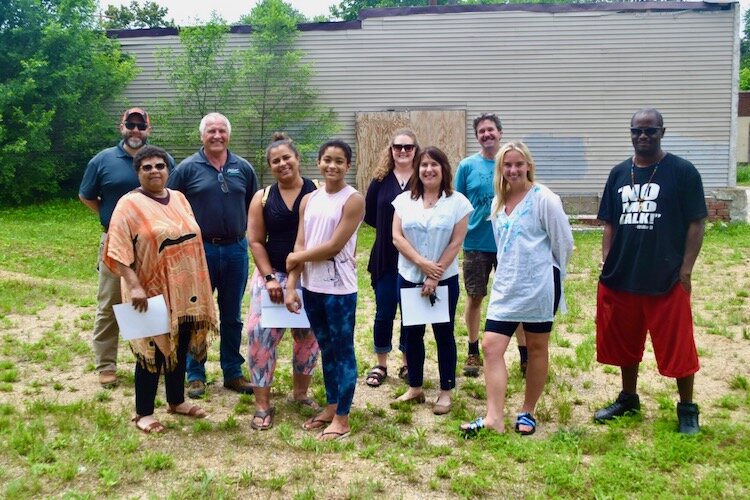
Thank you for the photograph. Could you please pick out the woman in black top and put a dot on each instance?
(390, 179)
(272, 224)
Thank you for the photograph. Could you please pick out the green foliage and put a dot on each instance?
(743, 169)
(57, 75)
(203, 76)
(280, 97)
(135, 16)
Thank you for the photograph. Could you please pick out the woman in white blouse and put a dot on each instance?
(429, 226)
(534, 243)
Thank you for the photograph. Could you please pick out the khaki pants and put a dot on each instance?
(106, 332)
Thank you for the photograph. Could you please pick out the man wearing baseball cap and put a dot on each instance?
(108, 176)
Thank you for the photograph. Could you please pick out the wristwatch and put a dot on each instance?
(269, 277)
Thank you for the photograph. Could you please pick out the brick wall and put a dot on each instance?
(718, 210)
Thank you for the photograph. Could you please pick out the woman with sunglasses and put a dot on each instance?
(534, 243)
(389, 179)
(154, 243)
(429, 226)
(272, 223)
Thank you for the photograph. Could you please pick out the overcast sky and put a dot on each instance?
(184, 12)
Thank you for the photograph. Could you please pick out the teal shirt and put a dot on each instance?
(474, 180)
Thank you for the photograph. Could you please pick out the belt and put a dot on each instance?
(224, 241)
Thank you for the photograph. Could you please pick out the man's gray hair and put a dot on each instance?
(212, 117)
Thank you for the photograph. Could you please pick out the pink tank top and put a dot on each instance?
(336, 276)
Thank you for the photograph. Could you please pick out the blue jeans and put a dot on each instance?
(332, 320)
(386, 302)
(446, 342)
(228, 268)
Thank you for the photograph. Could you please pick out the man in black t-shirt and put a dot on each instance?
(653, 209)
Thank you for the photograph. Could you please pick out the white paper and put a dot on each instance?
(136, 325)
(417, 310)
(278, 316)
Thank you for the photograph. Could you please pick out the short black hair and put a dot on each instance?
(336, 143)
(149, 151)
(649, 111)
(487, 116)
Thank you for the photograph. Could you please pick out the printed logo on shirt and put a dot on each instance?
(234, 171)
(639, 207)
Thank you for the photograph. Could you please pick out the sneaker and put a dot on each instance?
(239, 384)
(624, 404)
(108, 378)
(687, 418)
(196, 389)
(472, 366)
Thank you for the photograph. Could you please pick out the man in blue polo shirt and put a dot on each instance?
(219, 185)
(108, 176)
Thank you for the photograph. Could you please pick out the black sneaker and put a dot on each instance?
(623, 405)
(687, 418)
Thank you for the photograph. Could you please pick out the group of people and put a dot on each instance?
(184, 232)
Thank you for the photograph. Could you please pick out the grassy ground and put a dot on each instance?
(61, 435)
(743, 174)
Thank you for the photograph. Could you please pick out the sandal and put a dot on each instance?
(472, 428)
(154, 427)
(403, 373)
(333, 436)
(263, 415)
(528, 420)
(308, 402)
(194, 411)
(315, 423)
(376, 376)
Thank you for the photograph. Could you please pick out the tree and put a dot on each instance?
(203, 74)
(57, 78)
(135, 16)
(280, 96)
(745, 53)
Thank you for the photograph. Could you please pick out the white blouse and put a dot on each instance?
(429, 230)
(532, 239)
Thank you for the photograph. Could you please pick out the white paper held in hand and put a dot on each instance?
(278, 316)
(417, 309)
(137, 325)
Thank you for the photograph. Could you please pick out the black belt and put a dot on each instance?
(224, 241)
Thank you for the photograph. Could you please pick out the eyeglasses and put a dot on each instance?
(147, 167)
(649, 131)
(224, 187)
(403, 147)
(140, 125)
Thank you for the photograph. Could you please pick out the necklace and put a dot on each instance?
(402, 181)
(430, 204)
(644, 187)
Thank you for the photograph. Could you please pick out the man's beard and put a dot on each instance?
(135, 142)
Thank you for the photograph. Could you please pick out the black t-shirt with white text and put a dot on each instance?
(649, 223)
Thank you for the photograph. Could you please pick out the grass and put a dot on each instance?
(61, 437)
(743, 174)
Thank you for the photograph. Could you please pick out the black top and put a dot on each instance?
(649, 223)
(281, 224)
(219, 214)
(379, 214)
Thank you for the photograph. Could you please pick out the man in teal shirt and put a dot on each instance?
(474, 180)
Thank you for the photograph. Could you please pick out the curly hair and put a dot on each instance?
(385, 160)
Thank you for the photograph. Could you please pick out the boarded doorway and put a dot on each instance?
(445, 129)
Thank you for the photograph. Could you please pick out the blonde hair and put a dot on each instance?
(385, 160)
(501, 185)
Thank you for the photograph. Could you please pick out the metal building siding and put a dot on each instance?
(565, 82)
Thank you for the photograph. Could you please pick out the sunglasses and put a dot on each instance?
(223, 181)
(403, 147)
(147, 167)
(649, 131)
(131, 125)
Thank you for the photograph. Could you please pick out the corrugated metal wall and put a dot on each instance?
(564, 81)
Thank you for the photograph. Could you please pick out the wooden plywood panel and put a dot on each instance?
(442, 128)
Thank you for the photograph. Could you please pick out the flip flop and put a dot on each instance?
(315, 423)
(154, 427)
(337, 436)
(472, 428)
(262, 415)
(194, 411)
(308, 402)
(526, 419)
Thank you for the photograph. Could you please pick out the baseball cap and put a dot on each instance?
(136, 111)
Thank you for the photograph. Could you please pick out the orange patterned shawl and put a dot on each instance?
(163, 244)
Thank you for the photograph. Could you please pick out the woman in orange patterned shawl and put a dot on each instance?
(155, 245)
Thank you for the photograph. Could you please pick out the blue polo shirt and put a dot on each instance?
(108, 176)
(219, 214)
